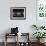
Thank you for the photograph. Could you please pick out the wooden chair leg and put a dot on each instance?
(5, 43)
(17, 41)
(5, 39)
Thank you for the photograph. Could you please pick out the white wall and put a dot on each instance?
(24, 25)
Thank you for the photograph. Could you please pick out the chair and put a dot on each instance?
(26, 41)
(7, 35)
(14, 32)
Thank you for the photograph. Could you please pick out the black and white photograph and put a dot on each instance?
(17, 13)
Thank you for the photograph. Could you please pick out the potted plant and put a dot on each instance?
(39, 35)
(38, 27)
(35, 26)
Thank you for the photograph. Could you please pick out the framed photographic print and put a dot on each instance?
(18, 13)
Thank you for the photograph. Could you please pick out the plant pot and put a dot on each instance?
(40, 41)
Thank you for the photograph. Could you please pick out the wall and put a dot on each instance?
(24, 25)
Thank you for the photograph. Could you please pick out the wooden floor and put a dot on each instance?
(13, 44)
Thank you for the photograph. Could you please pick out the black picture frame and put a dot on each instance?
(18, 13)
